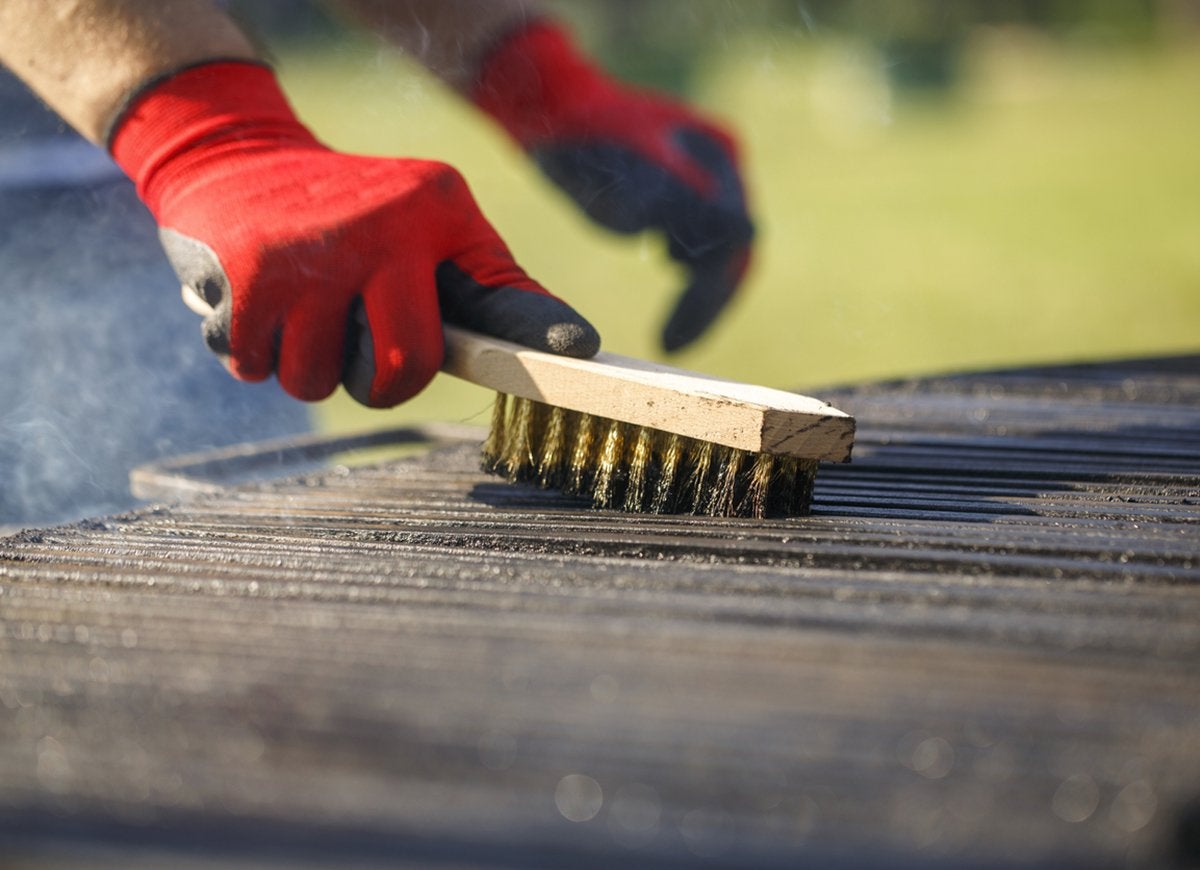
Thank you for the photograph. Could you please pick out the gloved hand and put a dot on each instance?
(293, 245)
(633, 160)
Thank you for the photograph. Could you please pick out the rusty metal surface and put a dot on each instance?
(983, 644)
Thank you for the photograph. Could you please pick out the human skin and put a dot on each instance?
(85, 58)
(449, 37)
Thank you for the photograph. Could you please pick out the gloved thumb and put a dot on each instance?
(536, 320)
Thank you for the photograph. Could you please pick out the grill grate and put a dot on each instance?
(984, 642)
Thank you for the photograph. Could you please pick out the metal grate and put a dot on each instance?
(982, 644)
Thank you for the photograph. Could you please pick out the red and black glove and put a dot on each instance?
(296, 248)
(632, 159)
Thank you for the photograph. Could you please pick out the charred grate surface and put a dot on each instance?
(983, 644)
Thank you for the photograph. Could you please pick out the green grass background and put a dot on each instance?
(1047, 210)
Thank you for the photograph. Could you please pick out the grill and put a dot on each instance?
(983, 644)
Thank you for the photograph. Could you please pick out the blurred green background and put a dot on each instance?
(939, 184)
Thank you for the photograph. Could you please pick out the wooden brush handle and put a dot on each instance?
(757, 419)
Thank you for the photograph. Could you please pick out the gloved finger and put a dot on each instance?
(717, 220)
(401, 310)
(713, 282)
(712, 238)
(309, 365)
(358, 372)
(531, 318)
(253, 344)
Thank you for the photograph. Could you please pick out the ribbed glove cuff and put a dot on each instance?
(197, 109)
(531, 78)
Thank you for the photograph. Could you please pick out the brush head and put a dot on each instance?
(750, 418)
(639, 469)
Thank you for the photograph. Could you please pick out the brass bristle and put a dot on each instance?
(699, 457)
(611, 467)
(665, 489)
(619, 465)
(723, 495)
(539, 425)
(554, 458)
(758, 487)
(519, 449)
(640, 469)
(493, 446)
(581, 468)
(795, 486)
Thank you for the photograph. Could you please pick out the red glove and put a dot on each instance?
(292, 244)
(633, 160)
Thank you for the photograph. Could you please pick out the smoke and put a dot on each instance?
(103, 367)
(807, 18)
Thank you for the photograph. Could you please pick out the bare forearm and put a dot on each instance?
(84, 58)
(449, 37)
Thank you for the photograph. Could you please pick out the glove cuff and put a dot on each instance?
(196, 110)
(532, 78)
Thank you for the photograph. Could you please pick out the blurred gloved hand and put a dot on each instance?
(319, 266)
(632, 159)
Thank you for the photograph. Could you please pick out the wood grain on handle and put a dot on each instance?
(753, 418)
